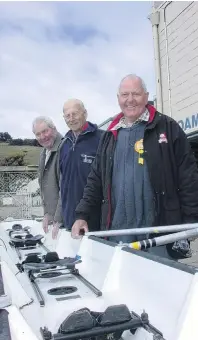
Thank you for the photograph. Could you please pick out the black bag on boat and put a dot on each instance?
(80, 320)
(32, 258)
(84, 319)
(179, 250)
(52, 256)
(114, 315)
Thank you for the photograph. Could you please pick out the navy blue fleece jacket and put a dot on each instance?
(76, 158)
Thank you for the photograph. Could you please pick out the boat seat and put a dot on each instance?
(17, 227)
(80, 320)
(49, 261)
(32, 258)
(29, 240)
(52, 256)
(18, 230)
(102, 325)
(114, 314)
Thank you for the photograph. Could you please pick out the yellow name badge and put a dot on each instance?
(139, 148)
(140, 160)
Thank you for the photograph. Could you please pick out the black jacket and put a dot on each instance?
(172, 168)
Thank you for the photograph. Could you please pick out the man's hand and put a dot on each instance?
(78, 228)
(55, 230)
(45, 223)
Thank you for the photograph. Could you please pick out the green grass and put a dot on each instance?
(32, 152)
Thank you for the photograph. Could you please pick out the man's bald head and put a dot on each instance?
(74, 103)
(132, 97)
(133, 77)
(75, 114)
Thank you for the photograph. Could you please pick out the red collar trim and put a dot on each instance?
(85, 126)
(152, 110)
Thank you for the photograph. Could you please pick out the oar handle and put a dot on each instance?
(141, 231)
(163, 240)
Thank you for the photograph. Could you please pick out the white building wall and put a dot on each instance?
(182, 42)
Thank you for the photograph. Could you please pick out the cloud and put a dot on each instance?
(50, 52)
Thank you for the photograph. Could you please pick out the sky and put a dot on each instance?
(53, 51)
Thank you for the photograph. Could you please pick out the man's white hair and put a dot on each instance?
(43, 119)
(134, 76)
(74, 101)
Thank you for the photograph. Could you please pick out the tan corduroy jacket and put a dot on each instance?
(49, 182)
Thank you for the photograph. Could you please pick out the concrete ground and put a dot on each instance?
(193, 261)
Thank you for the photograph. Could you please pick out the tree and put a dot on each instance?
(26, 141)
(17, 141)
(5, 137)
(36, 143)
(31, 142)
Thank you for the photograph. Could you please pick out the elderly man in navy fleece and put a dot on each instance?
(77, 153)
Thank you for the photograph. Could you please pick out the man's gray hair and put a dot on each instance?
(134, 76)
(43, 119)
(77, 102)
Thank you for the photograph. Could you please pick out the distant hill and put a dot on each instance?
(31, 152)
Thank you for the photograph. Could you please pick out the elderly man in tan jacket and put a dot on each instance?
(49, 176)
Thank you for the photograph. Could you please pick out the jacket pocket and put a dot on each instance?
(171, 204)
(172, 212)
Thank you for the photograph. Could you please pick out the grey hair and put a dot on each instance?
(43, 119)
(75, 102)
(134, 76)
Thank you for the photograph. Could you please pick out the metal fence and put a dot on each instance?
(19, 193)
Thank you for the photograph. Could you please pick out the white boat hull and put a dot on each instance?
(166, 290)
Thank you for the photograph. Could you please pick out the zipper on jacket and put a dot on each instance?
(109, 188)
(75, 141)
(157, 194)
(68, 139)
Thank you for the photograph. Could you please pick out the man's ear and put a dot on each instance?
(86, 114)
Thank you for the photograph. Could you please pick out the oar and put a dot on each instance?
(162, 240)
(140, 231)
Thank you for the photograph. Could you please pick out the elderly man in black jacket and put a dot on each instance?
(144, 173)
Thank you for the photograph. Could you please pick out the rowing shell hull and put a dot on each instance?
(166, 290)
